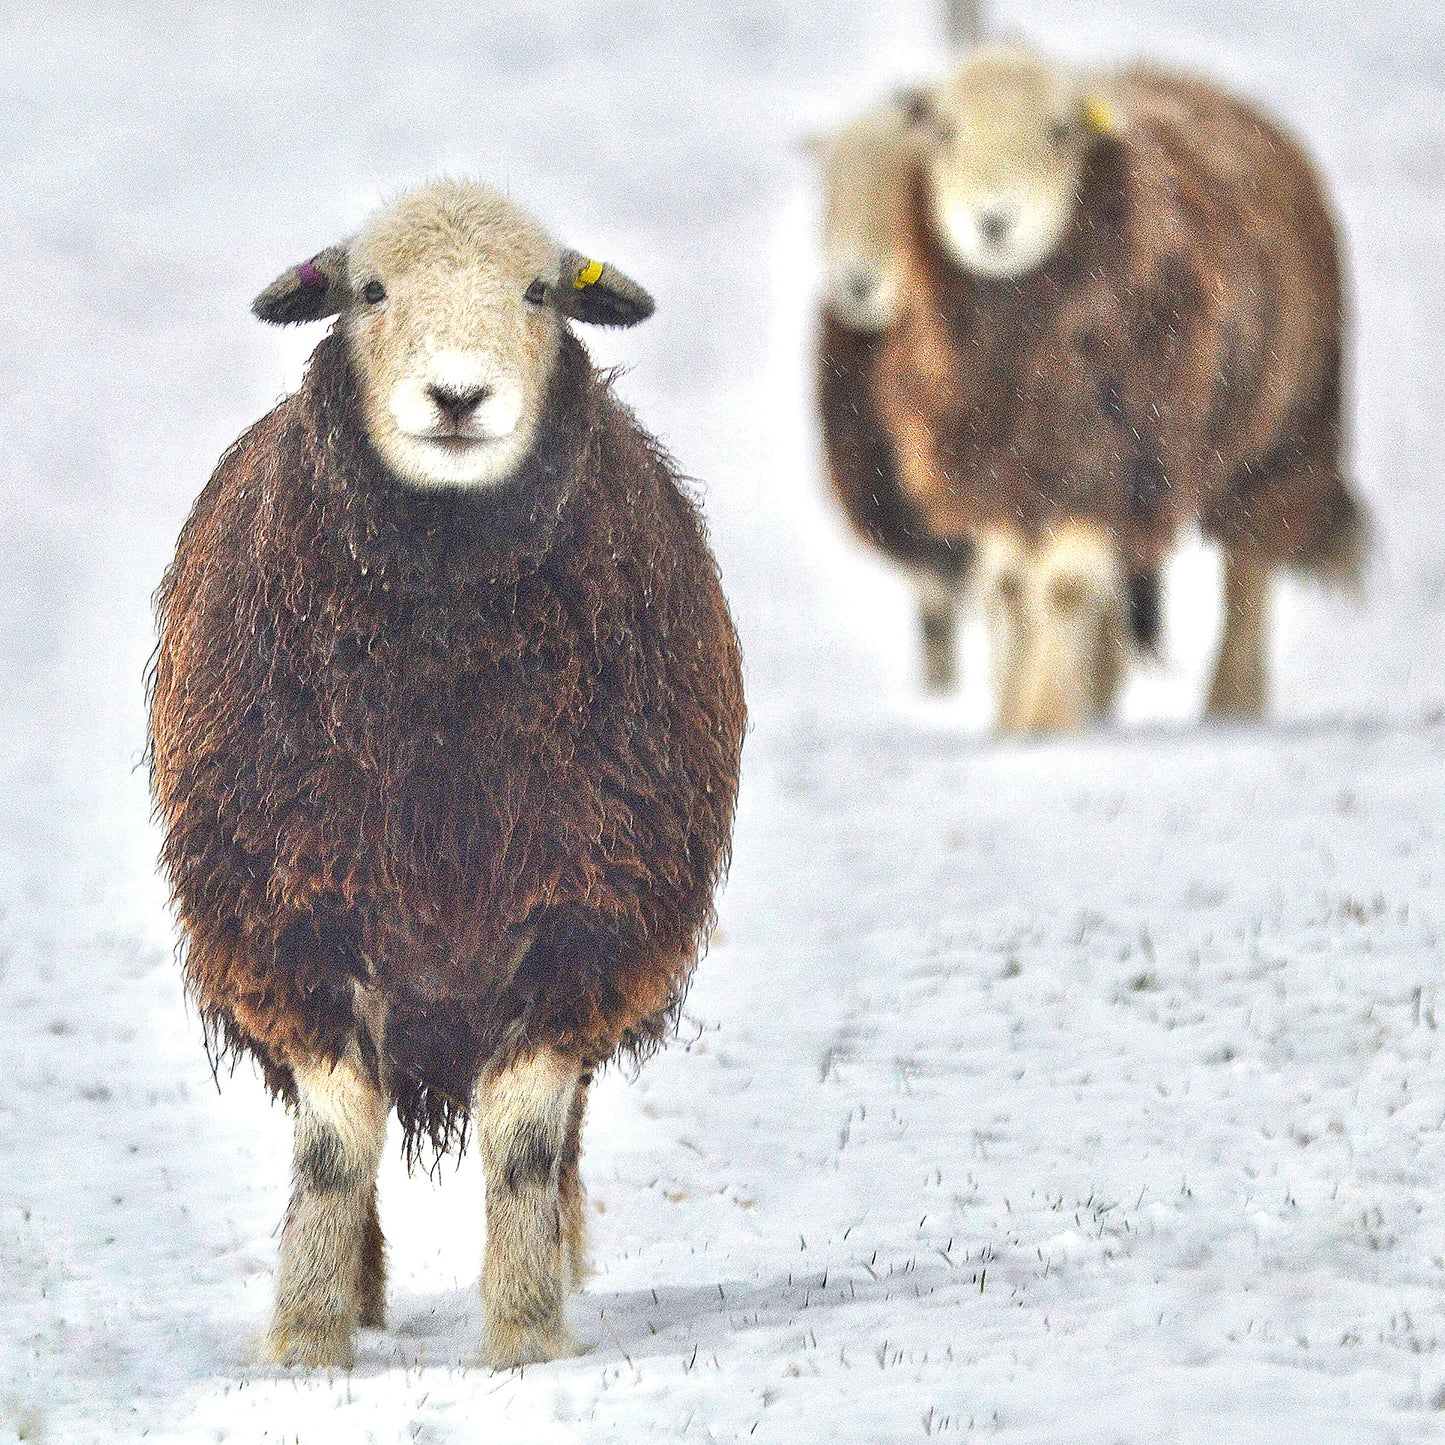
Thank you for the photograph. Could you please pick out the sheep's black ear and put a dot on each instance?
(594, 291)
(307, 292)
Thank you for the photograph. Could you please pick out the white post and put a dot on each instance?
(964, 22)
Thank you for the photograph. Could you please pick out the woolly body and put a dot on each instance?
(861, 473)
(473, 752)
(1176, 359)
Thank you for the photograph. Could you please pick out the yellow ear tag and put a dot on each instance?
(1100, 116)
(589, 274)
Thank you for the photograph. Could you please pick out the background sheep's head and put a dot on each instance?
(1006, 138)
(867, 169)
(451, 301)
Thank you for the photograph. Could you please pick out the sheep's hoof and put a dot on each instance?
(1233, 701)
(327, 1346)
(508, 1345)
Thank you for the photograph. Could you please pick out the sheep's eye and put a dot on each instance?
(373, 293)
(536, 293)
(1058, 134)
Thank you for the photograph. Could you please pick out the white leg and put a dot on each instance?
(526, 1109)
(1057, 629)
(330, 1269)
(1240, 685)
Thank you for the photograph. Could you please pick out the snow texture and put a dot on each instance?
(1085, 1091)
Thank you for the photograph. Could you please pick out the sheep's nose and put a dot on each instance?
(994, 226)
(457, 403)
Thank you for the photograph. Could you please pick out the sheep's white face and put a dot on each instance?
(1007, 138)
(451, 302)
(867, 168)
(1056, 611)
(452, 359)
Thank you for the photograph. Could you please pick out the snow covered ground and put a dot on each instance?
(1077, 1092)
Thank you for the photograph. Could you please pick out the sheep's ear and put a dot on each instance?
(1101, 115)
(594, 291)
(916, 105)
(814, 144)
(307, 292)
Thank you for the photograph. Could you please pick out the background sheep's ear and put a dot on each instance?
(1101, 115)
(915, 104)
(814, 144)
(307, 292)
(594, 291)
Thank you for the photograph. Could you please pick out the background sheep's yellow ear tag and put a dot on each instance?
(588, 275)
(1100, 116)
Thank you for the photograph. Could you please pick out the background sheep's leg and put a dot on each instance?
(1240, 685)
(526, 1109)
(331, 1269)
(571, 1197)
(938, 625)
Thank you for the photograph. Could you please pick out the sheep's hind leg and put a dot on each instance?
(1240, 685)
(330, 1276)
(527, 1109)
(373, 1270)
(572, 1198)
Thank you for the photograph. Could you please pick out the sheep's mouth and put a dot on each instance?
(455, 443)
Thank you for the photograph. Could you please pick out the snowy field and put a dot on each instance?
(1080, 1093)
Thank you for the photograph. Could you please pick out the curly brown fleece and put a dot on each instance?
(1178, 359)
(477, 752)
(861, 473)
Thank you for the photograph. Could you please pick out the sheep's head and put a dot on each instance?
(1057, 610)
(1006, 138)
(451, 301)
(867, 167)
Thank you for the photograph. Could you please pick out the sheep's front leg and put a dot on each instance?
(527, 1114)
(938, 626)
(1240, 686)
(331, 1275)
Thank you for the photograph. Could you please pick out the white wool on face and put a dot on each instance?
(867, 167)
(455, 261)
(1006, 150)
(1035, 218)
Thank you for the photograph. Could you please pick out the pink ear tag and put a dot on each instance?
(310, 276)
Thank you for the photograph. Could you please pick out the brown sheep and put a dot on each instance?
(867, 170)
(1125, 317)
(865, 485)
(446, 717)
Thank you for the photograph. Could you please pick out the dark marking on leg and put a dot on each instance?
(331, 1266)
(937, 621)
(1145, 609)
(532, 1156)
(321, 1163)
(525, 1109)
